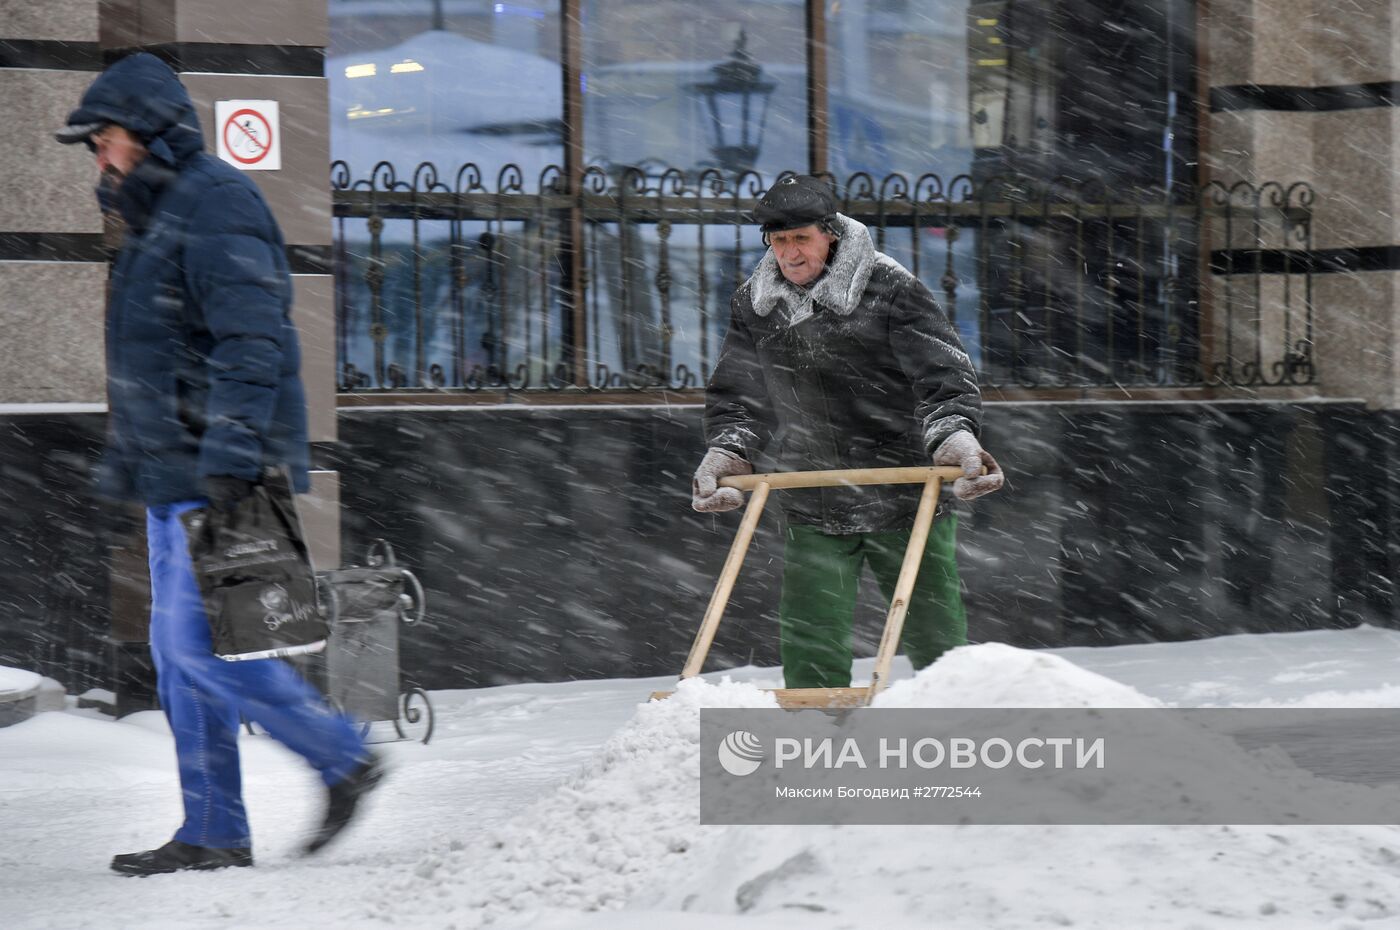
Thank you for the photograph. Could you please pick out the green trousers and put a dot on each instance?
(820, 578)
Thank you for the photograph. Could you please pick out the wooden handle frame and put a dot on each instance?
(930, 477)
(848, 477)
(720, 599)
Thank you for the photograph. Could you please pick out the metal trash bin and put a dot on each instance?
(360, 664)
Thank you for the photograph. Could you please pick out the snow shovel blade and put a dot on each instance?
(802, 698)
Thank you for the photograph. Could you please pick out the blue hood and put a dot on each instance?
(142, 95)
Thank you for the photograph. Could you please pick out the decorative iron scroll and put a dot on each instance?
(466, 285)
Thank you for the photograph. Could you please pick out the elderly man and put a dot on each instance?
(837, 357)
(205, 397)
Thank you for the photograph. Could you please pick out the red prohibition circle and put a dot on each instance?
(231, 122)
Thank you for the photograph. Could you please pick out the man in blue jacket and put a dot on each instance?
(204, 396)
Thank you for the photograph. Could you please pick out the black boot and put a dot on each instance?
(176, 856)
(341, 800)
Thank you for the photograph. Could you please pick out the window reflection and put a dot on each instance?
(486, 89)
(1019, 106)
(646, 65)
(897, 76)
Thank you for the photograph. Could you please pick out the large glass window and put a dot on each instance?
(451, 81)
(964, 129)
(1078, 102)
(1089, 89)
(446, 83)
(897, 87)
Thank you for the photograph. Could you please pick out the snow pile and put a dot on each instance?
(624, 833)
(1211, 779)
(593, 843)
(976, 877)
(1259, 669)
(15, 681)
(995, 675)
(619, 848)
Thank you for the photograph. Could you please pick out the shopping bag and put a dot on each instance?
(255, 575)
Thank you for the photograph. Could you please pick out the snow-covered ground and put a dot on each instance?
(569, 806)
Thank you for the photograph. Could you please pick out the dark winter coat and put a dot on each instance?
(203, 360)
(861, 370)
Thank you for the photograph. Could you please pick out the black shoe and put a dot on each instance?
(176, 856)
(342, 798)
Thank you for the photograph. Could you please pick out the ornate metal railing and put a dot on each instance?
(623, 282)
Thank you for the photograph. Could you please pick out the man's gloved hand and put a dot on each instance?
(225, 491)
(964, 451)
(708, 496)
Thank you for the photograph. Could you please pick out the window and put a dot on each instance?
(926, 106)
(897, 87)
(647, 65)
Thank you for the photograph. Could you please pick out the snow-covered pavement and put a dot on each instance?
(555, 805)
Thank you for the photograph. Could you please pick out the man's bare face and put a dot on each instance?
(118, 151)
(801, 253)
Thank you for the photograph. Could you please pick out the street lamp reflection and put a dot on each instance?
(737, 99)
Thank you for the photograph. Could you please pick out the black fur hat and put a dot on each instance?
(793, 202)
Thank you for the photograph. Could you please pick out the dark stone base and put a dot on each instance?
(54, 616)
(98, 699)
(17, 710)
(559, 543)
(133, 678)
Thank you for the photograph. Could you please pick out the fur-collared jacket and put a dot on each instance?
(859, 370)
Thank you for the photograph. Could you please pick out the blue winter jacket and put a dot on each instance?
(202, 358)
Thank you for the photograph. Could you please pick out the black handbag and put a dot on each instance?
(255, 575)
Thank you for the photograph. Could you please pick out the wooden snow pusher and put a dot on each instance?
(930, 477)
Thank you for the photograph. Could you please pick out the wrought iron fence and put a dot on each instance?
(623, 282)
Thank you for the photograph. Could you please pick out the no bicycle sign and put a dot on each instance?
(249, 134)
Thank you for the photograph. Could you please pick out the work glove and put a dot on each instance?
(225, 492)
(964, 451)
(708, 496)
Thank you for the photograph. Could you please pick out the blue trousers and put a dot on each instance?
(204, 696)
